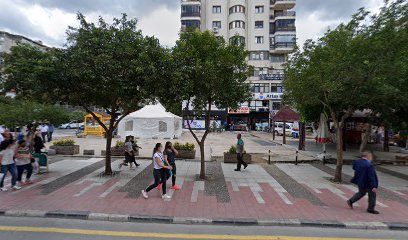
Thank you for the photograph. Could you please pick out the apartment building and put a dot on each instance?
(267, 27)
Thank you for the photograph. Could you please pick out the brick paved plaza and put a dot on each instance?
(261, 192)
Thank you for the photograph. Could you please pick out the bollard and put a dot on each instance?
(324, 157)
(269, 157)
(296, 162)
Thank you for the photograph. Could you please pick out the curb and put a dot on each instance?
(206, 221)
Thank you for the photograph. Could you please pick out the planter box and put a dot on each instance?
(66, 150)
(89, 152)
(118, 152)
(186, 154)
(232, 158)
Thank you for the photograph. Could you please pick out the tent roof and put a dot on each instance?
(152, 111)
(286, 114)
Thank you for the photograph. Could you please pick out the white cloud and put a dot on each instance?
(163, 24)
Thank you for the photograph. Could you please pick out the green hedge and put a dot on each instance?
(186, 146)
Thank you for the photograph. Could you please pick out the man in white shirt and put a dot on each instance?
(44, 131)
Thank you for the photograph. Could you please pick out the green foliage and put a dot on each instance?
(64, 142)
(359, 65)
(16, 112)
(186, 146)
(77, 116)
(119, 144)
(206, 71)
(232, 150)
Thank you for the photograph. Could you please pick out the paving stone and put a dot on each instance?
(394, 172)
(386, 195)
(98, 216)
(215, 185)
(140, 182)
(67, 179)
(118, 218)
(293, 187)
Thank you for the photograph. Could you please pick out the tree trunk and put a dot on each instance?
(284, 133)
(343, 139)
(339, 151)
(202, 156)
(365, 136)
(108, 167)
(386, 146)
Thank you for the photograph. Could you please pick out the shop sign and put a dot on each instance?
(242, 110)
(268, 96)
(200, 124)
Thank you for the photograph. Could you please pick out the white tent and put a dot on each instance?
(152, 121)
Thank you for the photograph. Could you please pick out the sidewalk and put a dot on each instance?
(279, 194)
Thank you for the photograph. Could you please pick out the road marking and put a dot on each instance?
(158, 235)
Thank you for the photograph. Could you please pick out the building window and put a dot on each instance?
(260, 88)
(276, 88)
(259, 105)
(237, 24)
(216, 9)
(237, 9)
(162, 126)
(129, 126)
(190, 23)
(190, 10)
(259, 56)
(259, 24)
(259, 39)
(259, 9)
(277, 58)
(237, 40)
(216, 24)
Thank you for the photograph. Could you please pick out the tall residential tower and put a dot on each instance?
(267, 27)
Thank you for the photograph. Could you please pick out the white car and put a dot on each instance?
(290, 128)
(72, 124)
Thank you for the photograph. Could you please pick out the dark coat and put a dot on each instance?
(364, 174)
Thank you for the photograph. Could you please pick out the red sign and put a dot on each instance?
(243, 110)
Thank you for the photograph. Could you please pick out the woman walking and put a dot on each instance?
(7, 152)
(128, 153)
(23, 162)
(159, 172)
(169, 156)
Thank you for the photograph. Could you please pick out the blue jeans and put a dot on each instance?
(13, 171)
(20, 171)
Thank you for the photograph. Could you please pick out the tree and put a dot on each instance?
(108, 66)
(328, 73)
(345, 71)
(208, 72)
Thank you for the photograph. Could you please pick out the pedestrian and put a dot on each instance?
(23, 162)
(366, 179)
(44, 131)
(7, 152)
(240, 153)
(169, 156)
(135, 149)
(159, 172)
(2, 129)
(51, 129)
(226, 126)
(128, 150)
(38, 145)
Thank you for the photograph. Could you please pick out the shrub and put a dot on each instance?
(232, 150)
(119, 144)
(186, 146)
(64, 142)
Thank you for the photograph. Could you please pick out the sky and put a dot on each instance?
(47, 20)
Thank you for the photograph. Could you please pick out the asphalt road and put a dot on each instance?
(19, 228)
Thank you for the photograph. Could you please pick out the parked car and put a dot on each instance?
(279, 128)
(72, 124)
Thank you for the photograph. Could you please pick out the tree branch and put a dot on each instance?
(95, 117)
(188, 123)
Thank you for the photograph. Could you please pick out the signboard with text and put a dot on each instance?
(268, 96)
(242, 110)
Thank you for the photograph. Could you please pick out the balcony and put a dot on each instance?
(285, 29)
(282, 47)
(190, 14)
(285, 14)
(271, 77)
(283, 4)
